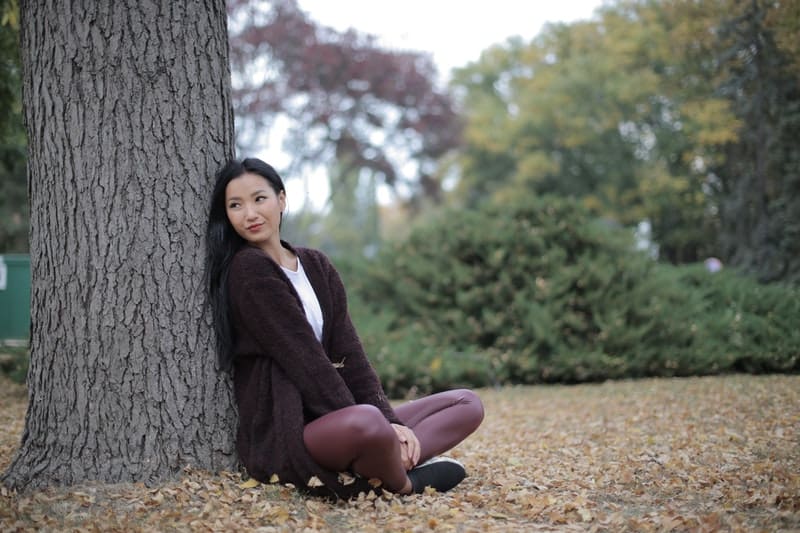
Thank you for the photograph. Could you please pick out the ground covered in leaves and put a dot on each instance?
(700, 454)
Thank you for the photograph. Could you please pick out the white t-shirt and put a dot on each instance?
(307, 296)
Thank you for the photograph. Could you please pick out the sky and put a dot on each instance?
(454, 32)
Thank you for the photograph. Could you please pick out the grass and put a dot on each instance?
(701, 454)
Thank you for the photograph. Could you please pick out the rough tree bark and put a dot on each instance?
(128, 112)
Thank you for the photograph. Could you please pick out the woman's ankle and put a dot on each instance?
(408, 488)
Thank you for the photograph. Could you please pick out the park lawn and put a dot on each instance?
(703, 454)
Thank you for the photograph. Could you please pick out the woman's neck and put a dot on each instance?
(280, 255)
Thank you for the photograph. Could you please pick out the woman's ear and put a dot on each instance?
(282, 200)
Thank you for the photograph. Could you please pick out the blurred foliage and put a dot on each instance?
(14, 363)
(542, 291)
(680, 113)
(349, 226)
(760, 175)
(13, 186)
(348, 102)
(600, 111)
(683, 114)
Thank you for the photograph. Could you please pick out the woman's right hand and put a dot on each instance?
(409, 446)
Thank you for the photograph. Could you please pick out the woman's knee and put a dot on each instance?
(472, 406)
(367, 425)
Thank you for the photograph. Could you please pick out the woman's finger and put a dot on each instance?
(405, 454)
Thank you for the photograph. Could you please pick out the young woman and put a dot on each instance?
(311, 408)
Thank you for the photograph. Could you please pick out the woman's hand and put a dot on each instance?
(409, 446)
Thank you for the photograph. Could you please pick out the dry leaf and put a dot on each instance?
(346, 479)
(250, 484)
(314, 482)
(698, 454)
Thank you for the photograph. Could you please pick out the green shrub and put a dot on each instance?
(408, 361)
(14, 363)
(750, 326)
(541, 292)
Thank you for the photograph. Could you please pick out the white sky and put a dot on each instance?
(454, 32)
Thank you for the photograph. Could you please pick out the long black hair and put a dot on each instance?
(222, 243)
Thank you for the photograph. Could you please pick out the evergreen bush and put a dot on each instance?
(542, 292)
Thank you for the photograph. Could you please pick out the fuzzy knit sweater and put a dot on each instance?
(284, 378)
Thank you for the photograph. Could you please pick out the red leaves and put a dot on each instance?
(386, 101)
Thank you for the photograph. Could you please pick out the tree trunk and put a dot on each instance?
(128, 112)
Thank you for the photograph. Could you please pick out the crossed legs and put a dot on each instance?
(360, 438)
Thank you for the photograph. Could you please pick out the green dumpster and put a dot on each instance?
(15, 297)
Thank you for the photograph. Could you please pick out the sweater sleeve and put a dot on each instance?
(346, 347)
(267, 310)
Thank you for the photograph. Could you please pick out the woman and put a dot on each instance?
(311, 408)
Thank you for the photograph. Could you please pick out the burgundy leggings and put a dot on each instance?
(360, 438)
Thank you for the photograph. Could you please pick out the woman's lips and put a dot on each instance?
(254, 227)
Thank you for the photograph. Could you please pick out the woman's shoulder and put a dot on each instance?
(312, 255)
(249, 259)
(248, 254)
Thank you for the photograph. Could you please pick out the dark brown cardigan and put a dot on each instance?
(283, 377)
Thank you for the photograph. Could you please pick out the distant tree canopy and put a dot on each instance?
(651, 112)
(681, 114)
(367, 114)
(350, 104)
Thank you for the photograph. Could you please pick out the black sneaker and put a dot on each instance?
(441, 473)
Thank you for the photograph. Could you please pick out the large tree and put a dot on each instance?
(128, 112)
(759, 179)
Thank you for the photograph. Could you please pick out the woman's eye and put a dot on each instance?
(233, 205)
(259, 198)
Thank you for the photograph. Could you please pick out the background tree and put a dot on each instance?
(128, 113)
(678, 113)
(349, 104)
(598, 110)
(350, 224)
(13, 193)
(759, 185)
(743, 55)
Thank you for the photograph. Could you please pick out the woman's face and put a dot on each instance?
(254, 209)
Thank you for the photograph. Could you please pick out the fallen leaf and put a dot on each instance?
(696, 454)
(346, 479)
(314, 481)
(250, 484)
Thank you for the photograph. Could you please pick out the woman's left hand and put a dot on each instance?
(409, 446)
